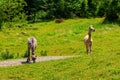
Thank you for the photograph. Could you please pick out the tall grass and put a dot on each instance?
(6, 55)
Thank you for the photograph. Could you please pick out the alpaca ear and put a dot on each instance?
(89, 27)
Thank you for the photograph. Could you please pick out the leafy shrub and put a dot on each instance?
(6, 55)
(112, 11)
(0, 23)
(40, 15)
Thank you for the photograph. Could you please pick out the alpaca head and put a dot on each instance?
(34, 58)
(91, 28)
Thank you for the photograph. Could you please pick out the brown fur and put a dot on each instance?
(88, 39)
(59, 20)
(32, 42)
(34, 58)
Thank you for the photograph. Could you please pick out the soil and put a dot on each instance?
(17, 62)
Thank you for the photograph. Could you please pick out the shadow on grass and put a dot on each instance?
(25, 62)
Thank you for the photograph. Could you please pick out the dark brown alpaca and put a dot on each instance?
(32, 42)
(59, 20)
(88, 39)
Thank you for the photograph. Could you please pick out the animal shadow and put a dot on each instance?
(25, 62)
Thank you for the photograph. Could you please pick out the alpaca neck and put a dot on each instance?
(89, 35)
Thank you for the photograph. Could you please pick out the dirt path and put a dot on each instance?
(23, 61)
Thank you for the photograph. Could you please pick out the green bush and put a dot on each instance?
(40, 15)
(6, 55)
(113, 10)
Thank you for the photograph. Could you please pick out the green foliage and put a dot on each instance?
(60, 6)
(1, 22)
(102, 8)
(6, 55)
(40, 15)
(13, 10)
(83, 9)
(37, 10)
(113, 10)
(92, 7)
(1, 13)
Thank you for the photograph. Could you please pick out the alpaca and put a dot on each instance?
(32, 42)
(59, 20)
(88, 39)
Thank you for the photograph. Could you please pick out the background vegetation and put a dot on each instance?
(37, 10)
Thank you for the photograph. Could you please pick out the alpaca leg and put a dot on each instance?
(33, 51)
(28, 59)
(33, 55)
(90, 48)
(87, 49)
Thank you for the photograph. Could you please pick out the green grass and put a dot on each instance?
(85, 67)
(52, 37)
(65, 39)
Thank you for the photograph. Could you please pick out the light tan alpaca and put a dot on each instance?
(88, 39)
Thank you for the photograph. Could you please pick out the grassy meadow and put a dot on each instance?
(64, 39)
